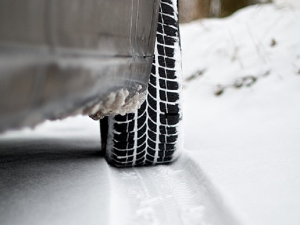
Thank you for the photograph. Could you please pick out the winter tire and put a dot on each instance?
(151, 135)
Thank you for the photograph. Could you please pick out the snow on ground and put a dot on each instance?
(55, 175)
(241, 124)
(290, 3)
(242, 107)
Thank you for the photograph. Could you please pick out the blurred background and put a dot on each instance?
(195, 9)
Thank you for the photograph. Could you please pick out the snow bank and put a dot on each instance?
(290, 3)
(256, 41)
(242, 79)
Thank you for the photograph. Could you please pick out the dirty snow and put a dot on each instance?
(241, 124)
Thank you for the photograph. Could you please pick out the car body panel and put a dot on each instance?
(60, 58)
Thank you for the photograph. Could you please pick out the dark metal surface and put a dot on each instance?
(57, 56)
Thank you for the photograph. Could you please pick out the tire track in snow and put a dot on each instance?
(173, 194)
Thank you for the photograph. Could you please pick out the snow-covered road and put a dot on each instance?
(45, 179)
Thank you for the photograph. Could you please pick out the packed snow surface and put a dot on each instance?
(241, 125)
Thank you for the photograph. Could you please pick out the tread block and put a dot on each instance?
(168, 138)
(140, 162)
(152, 80)
(167, 73)
(149, 158)
(170, 31)
(152, 114)
(123, 152)
(166, 8)
(164, 159)
(167, 19)
(168, 147)
(152, 90)
(166, 62)
(151, 102)
(153, 68)
(169, 109)
(142, 130)
(151, 152)
(167, 130)
(151, 135)
(170, 85)
(168, 96)
(123, 145)
(142, 108)
(151, 144)
(120, 118)
(168, 1)
(141, 141)
(124, 126)
(142, 147)
(164, 50)
(125, 137)
(169, 119)
(151, 125)
(166, 153)
(142, 120)
(166, 40)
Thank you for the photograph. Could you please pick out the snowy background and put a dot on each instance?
(241, 163)
(242, 108)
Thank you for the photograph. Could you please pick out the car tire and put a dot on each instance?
(151, 135)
